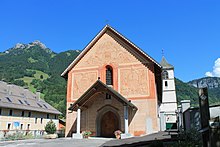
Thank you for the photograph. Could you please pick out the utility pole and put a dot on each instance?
(204, 115)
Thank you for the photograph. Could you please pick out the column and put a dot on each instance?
(77, 135)
(162, 121)
(126, 118)
(78, 121)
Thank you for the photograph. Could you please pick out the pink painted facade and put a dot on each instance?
(134, 77)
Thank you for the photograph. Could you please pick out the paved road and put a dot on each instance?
(91, 142)
(60, 142)
(140, 141)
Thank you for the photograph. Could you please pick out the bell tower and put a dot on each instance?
(168, 106)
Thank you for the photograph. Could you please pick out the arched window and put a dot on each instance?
(165, 75)
(109, 75)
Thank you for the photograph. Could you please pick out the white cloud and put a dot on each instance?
(208, 74)
(216, 70)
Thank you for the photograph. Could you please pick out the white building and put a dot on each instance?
(168, 106)
(23, 111)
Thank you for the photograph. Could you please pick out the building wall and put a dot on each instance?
(169, 96)
(133, 78)
(171, 85)
(145, 119)
(192, 117)
(35, 124)
(170, 73)
(89, 117)
(168, 106)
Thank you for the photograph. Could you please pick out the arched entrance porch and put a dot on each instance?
(107, 122)
(120, 118)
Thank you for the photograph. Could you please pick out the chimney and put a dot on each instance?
(185, 104)
(25, 91)
(179, 108)
(9, 87)
(38, 94)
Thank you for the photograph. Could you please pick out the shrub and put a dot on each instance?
(19, 136)
(86, 133)
(14, 136)
(189, 138)
(50, 127)
(28, 135)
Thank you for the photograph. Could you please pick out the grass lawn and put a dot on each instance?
(38, 75)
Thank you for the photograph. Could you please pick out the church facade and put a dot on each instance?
(113, 85)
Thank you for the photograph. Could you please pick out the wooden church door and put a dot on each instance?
(109, 124)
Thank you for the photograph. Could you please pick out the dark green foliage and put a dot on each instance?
(213, 84)
(55, 92)
(156, 143)
(214, 95)
(38, 84)
(22, 62)
(15, 63)
(185, 91)
(19, 83)
(19, 136)
(60, 62)
(50, 127)
(29, 73)
(189, 138)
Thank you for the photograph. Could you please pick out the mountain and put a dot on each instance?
(15, 61)
(210, 82)
(213, 85)
(185, 91)
(37, 67)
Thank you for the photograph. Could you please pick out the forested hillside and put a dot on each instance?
(213, 85)
(186, 92)
(39, 68)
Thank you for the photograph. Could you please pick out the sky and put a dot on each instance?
(187, 30)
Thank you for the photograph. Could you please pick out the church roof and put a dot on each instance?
(99, 86)
(106, 28)
(165, 64)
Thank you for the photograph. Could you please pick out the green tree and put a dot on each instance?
(50, 127)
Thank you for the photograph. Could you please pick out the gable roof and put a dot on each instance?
(85, 50)
(16, 97)
(99, 86)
